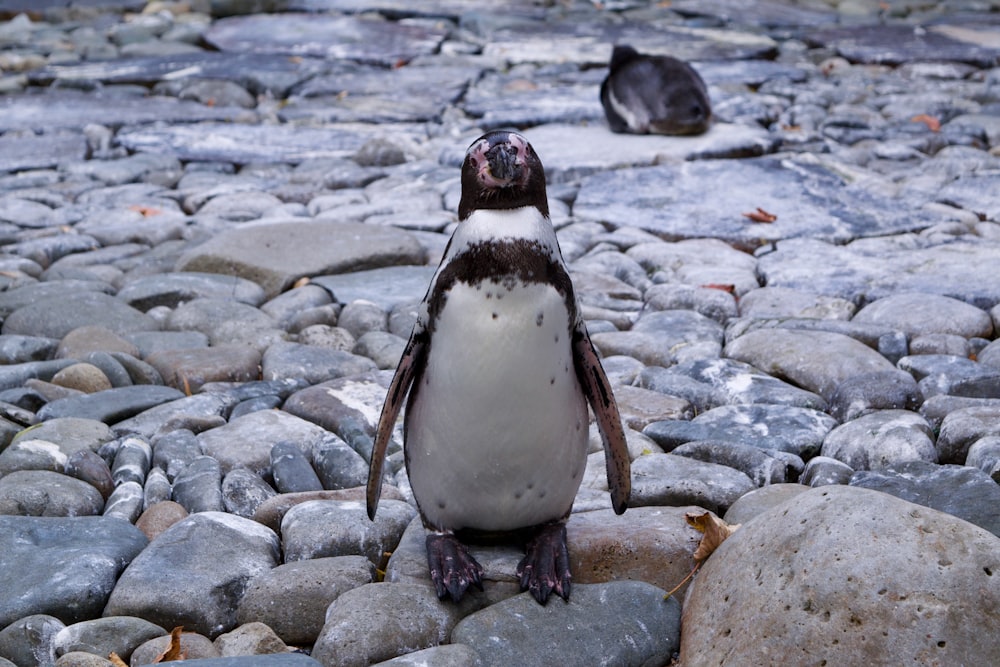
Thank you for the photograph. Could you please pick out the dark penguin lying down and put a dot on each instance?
(645, 94)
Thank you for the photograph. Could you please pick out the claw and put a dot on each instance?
(453, 569)
(545, 567)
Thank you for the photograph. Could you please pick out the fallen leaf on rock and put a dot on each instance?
(116, 661)
(725, 287)
(932, 123)
(145, 211)
(760, 215)
(301, 282)
(715, 529)
(173, 652)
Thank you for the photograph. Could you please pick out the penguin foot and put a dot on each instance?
(453, 569)
(545, 568)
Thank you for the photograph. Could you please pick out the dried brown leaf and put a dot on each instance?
(301, 282)
(173, 652)
(715, 529)
(760, 215)
(116, 661)
(145, 211)
(725, 287)
(932, 123)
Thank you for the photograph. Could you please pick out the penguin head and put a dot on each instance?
(502, 171)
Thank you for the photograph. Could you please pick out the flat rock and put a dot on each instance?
(897, 44)
(379, 621)
(880, 439)
(188, 369)
(624, 622)
(40, 151)
(665, 479)
(103, 636)
(954, 269)
(796, 430)
(49, 494)
(325, 36)
(195, 572)
(962, 491)
(798, 579)
(85, 554)
(111, 405)
(306, 588)
(815, 360)
(247, 441)
(56, 316)
(385, 287)
(276, 255)
(798, 195)
(173, 289)
(918, 314)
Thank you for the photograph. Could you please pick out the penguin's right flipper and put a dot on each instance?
(411, 360)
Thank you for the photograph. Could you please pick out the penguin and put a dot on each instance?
(645, 94)
(499, 371)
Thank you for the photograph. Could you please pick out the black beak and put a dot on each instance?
(502, 159)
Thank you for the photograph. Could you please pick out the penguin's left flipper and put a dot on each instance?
(545, 567)
(598, 391)
(401, 381)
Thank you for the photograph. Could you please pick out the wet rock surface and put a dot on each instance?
(217, 219)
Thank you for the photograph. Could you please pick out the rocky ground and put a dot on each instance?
(216, 219)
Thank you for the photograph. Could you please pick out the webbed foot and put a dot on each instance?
(453, 569)
(545, 568)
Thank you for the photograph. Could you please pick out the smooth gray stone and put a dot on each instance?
(338, 465)
(378, 621)
(157, 488)
(965, 492)
(322, 528)
(325, 36)
(260, 73)
(16, 349)
(816, 360)
(209, 314)
(111, 367)
(726, 381)
(762, 468)
(880, 439)
(53, 109)
(242, 391)
(357, 93)
(881, 390)
(132, 461)
(313, 364)
(243, 144)
(29, 640)
(246, 442)
(87, 466)
(284, 307)
(173, 451)
(111, 406)
(125, 502)
(919, 313)
(665, 479)
(385, 287)
(190, 410)
(897, 44)
(872, 335)
(56, 316)
(306, 589)
(16, 375)
(267, 660)
(623, 622)
(47, 494)
(85, 554)
(255, 404)
(962, 427)
(198, 487)
(446, 655)
(275, 255)
(194, 573)
(102, 636)
(20, 153)
(497, 104)
(818, 530)
(176, 288)
(360, 317)
(139, 372)
(291, 469)
(956, 269)
(796, 430)
(243, 492)
(822, 470)
(149, 342)
(985, 455)
(807, 202)
(25, 295)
